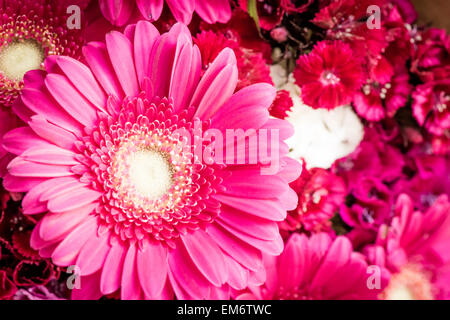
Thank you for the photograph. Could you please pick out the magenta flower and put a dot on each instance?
(431, 57)
(431, 106)
(377, 101)
(30, 30)
(105, 159)
(329, 76)
(211, 11)
(407, 10)
(316, 268)
(414, 247)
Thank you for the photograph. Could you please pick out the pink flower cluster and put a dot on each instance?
(100, 173)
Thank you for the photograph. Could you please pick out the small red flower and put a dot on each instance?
(329, 76)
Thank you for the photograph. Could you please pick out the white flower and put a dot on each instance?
(322, 136)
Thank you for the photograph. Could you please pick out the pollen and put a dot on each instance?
(19, 57)
(150, 173)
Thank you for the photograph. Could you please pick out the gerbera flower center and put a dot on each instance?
(150, 173)
(411, 283)
(329, 78)
(19, 57)
(151, 186)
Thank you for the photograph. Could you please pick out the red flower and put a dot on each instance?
(329, 76)
(320, 194)
(251, 65)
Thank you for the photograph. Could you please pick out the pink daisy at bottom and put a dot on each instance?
(317, 268)
(329, 76)
(106, 156)
(414, 248)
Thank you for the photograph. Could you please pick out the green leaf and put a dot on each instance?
(253, 11)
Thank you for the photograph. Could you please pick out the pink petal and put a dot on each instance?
(50, 155)
(131, 289)
(83, 79)
(150, 10)
(251, 103)
(188, 277)
(89, 288)
(21, 168)
(51, 132)
(245, 184)
(120, 51)
(56, 225)
(97, 57)
(162, 60)
(254, 226)
(182, 10)
(118, 12)
(93, 254)
(44, 104)
(272, 247)
(152, 269)
(263, 208)
(69, 98)
(213, 11)
(207, 256)
(112, 269)
(185, 74)
(20, 139)
(67, 251)
(239, 250)
(17, 184)
(217, 85)
(337, 257)
(144, 38)
(73, 200)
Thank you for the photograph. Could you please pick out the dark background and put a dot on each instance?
(436, 12)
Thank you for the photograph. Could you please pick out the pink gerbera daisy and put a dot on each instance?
(211, 11)
(329, 76)
(30, 30)
(107, 155)
(414, 247)
(317, 268)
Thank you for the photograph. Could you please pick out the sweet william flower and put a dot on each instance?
(316, 268)
(211, 11)
(251, 64)
(329, 76)
(320, 194)
(122, 199)
(377, 101)
(431, 102)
